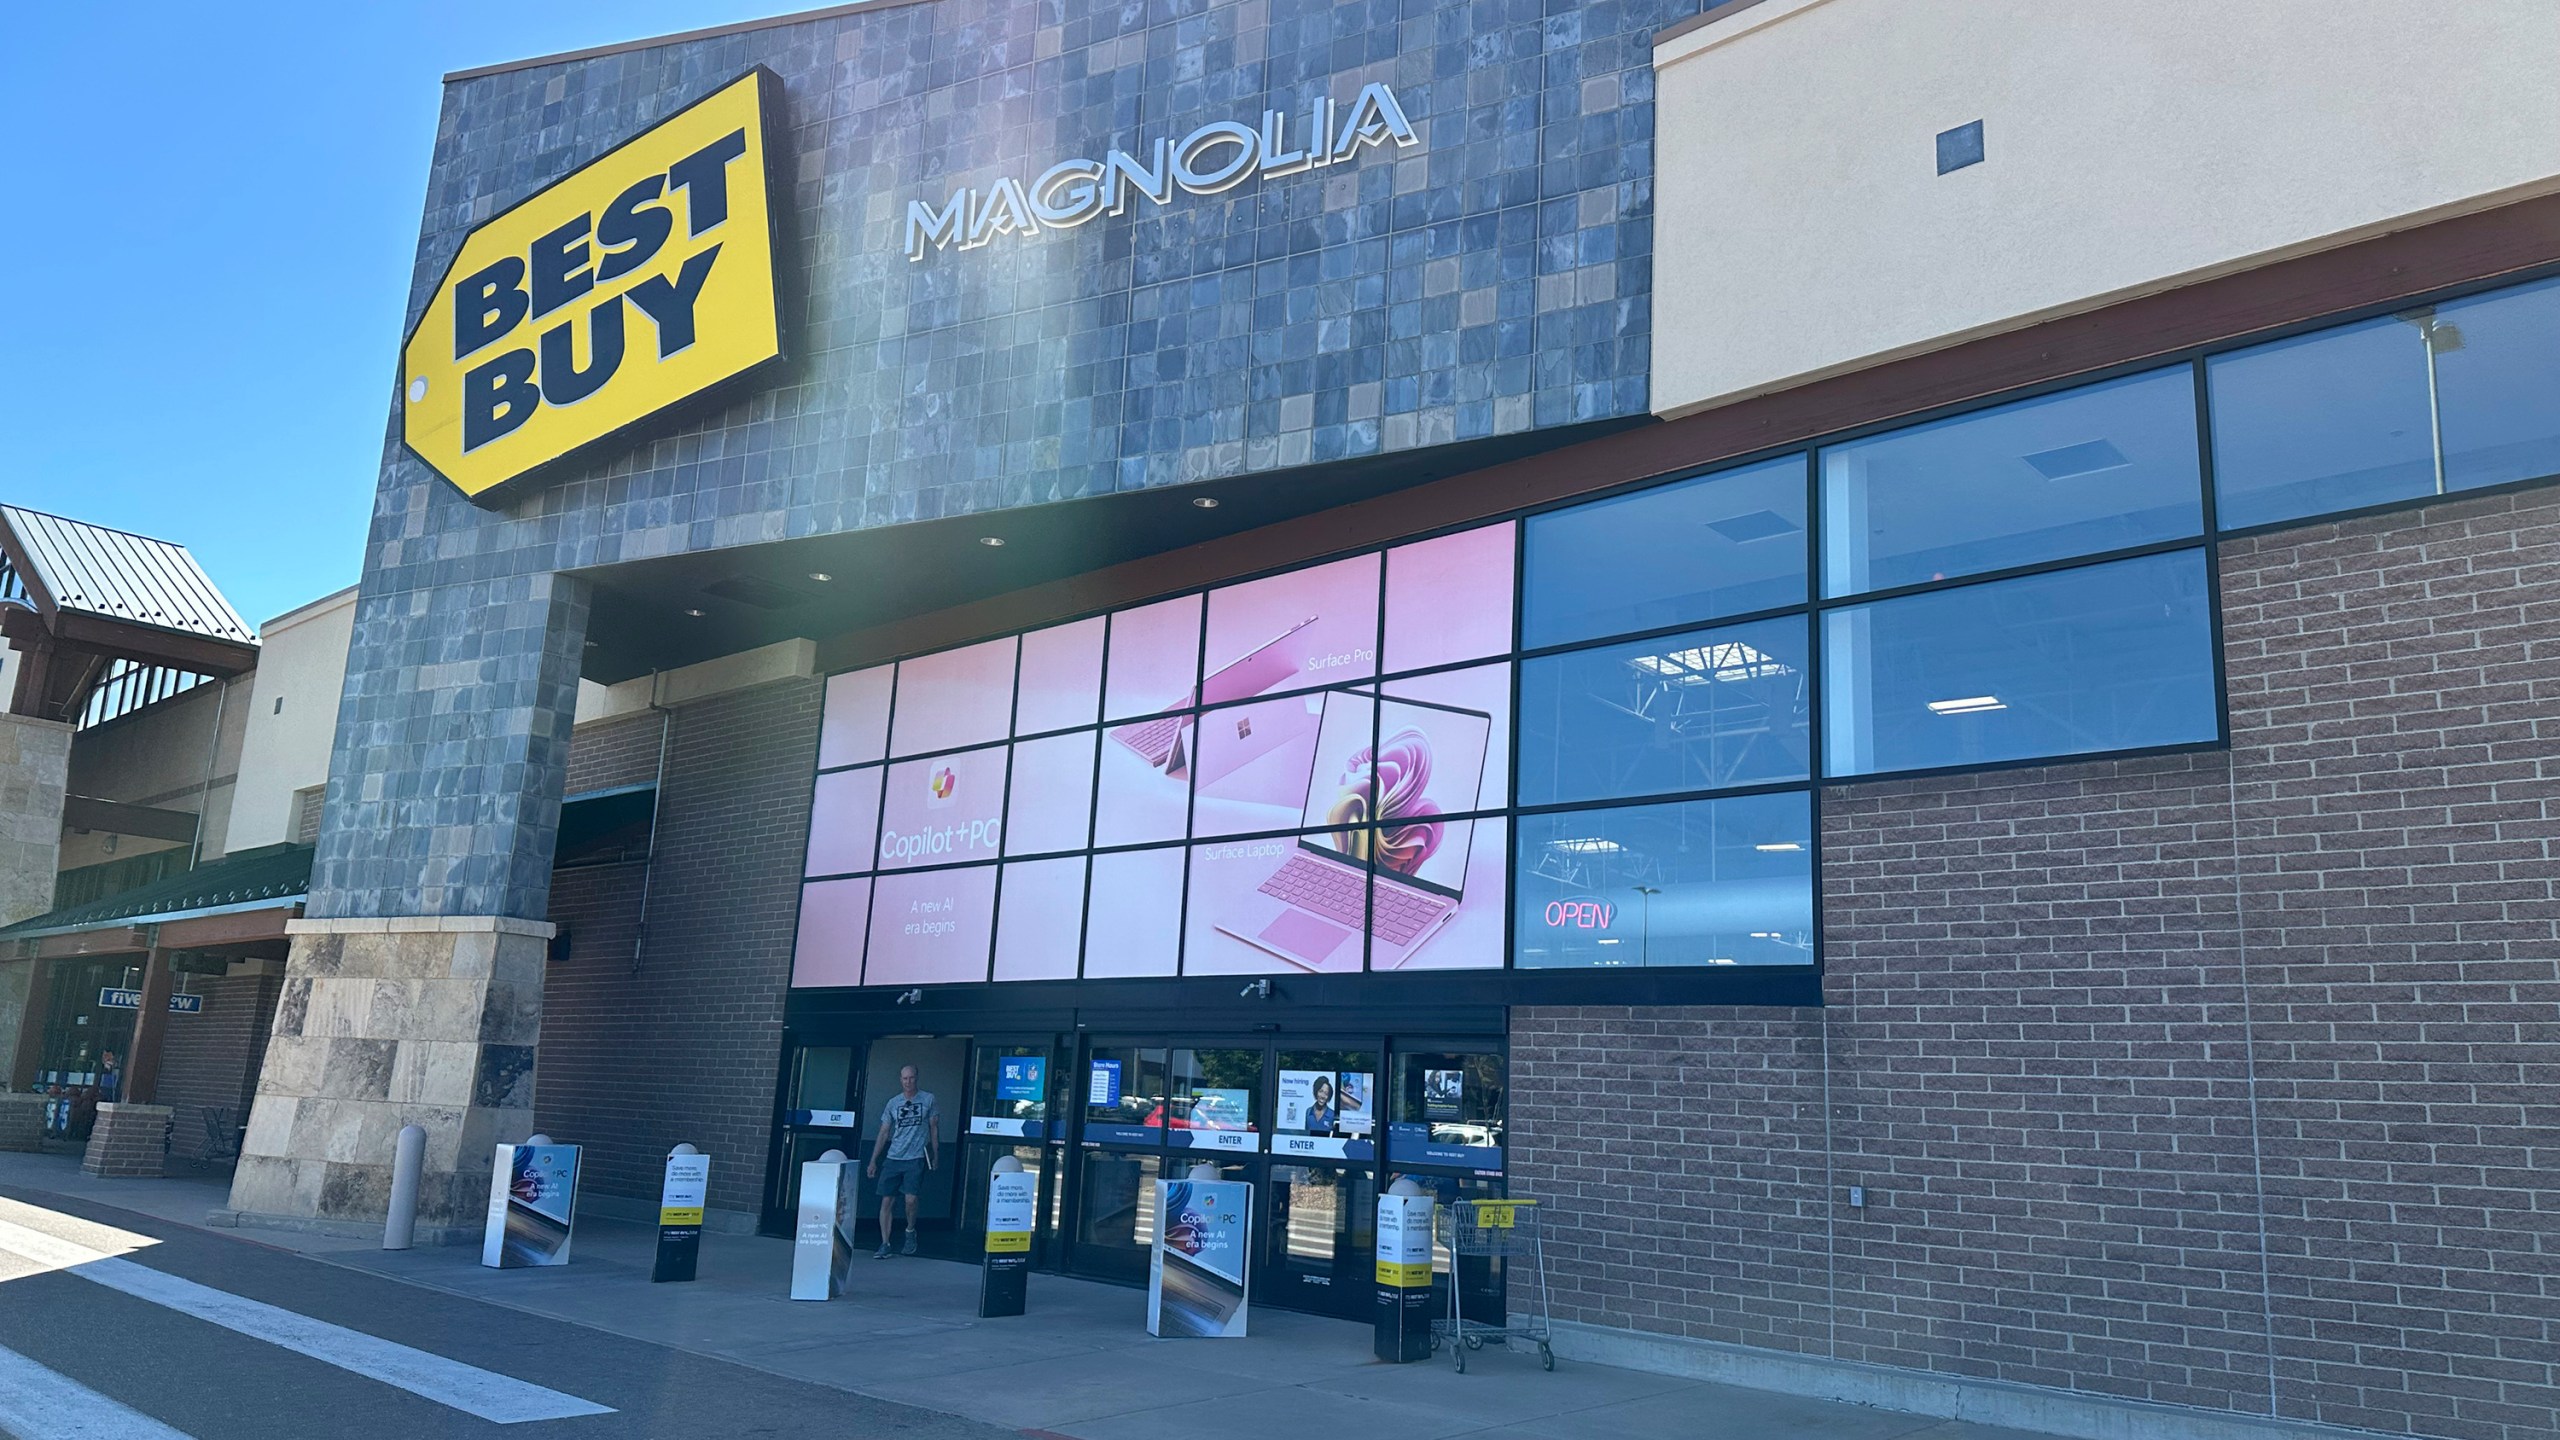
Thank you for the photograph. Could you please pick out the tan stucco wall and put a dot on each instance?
(292, 714)
(1802, 228)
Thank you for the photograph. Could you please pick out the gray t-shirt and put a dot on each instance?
(908, 1123)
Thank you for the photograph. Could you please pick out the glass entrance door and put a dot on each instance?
(1013, 1099)
(1298, 1122)
(1320, 1208)
(1120, 1097)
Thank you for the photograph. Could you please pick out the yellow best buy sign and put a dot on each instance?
(629, 286)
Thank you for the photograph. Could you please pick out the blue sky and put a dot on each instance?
(212, 214)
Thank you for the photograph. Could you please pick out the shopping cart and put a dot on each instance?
(1509, 1230)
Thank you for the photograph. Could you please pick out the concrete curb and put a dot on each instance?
(425, 1236)
(1947, 1397)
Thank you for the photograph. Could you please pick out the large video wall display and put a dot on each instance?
(1307, 773)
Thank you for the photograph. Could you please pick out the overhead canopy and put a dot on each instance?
(269, 878)
(75, 598)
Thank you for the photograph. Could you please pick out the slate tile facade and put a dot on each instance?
(1491, 279)
(2216, 1080)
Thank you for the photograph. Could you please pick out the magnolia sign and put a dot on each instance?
(1213, 158)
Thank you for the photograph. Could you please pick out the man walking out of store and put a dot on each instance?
(912, 1148)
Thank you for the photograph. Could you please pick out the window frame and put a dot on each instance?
(1792, 985)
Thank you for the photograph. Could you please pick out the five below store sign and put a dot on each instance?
(1213, 158)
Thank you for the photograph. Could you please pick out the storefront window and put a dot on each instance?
(1724, 544)
(2104, 657)
(1701, 882)
(1124, 1090)
(1703, 710)
(2103, 467)
(1215, 1100)
(1010, 1094)
(2334, 420)
(2497, 366)
(1447, 1111)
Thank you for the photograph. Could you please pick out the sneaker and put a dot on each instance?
(910, 1247)
(882, 1253)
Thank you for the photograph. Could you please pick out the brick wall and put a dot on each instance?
(683, 1046)
(210, 1060)
(2212, 1080)
(608, 754)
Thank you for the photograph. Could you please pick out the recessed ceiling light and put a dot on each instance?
(992, 542)
(1205, 502)
(1778, 847)
(821, 576)
(1969, 705)
(690, 610)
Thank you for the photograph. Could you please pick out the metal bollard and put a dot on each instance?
(407, 1165)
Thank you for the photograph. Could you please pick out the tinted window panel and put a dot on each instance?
(2498, 385)
(2102, 467)
(2330, 421)
(1703, 882)
(1704, 710)
(1725, 544)
(2105, 657)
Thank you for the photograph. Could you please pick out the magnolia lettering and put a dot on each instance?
(1213, 158)
(572, 263)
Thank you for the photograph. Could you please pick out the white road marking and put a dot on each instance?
(487, 1394)
(41, 1404)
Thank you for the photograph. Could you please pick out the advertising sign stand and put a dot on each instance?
(822, 1244)
(533, 1202)
(1013, 1199)
(1404, 1273)
(1196, 1282)
(680, 1202)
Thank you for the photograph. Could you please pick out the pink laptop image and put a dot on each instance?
(1378, 799)
(1160, 740)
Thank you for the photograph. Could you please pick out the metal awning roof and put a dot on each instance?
(70, 565)
(267, 878)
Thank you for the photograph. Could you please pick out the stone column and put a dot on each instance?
(35, 768)
(413, 994)
(385, 1023)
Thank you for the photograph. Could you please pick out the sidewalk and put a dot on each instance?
(1080, 1364)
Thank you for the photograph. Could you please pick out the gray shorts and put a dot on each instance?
(900, 1177)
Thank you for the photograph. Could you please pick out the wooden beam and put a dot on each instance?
(88, 812)
(30, 1057)
(152, 645)
(122, 940)
(150, 1027)
(240, 928)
